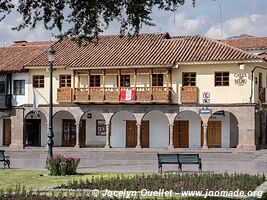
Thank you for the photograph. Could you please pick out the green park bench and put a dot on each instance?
(178, 159)
(4, 159)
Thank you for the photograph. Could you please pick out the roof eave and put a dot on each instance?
(221, 62)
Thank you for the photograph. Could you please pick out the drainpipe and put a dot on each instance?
(252, 81)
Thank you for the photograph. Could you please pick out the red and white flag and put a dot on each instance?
(127, 95)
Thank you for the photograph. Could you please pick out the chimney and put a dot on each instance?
(20, 42)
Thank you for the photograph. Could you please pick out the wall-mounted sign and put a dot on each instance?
(205, 111)
(206, 96)
(240, 79)
(100, 127)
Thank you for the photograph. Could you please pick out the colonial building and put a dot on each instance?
(150, 91)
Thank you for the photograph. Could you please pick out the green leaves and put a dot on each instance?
(83, 18)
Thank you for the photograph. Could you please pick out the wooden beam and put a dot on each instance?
(104, 74)
(150, 84)
(88, 82)
(135, 79)
(119, 84)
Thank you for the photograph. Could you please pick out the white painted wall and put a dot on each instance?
(1, 132)
(44, 127)
(118, 128)
(194, 127)
(91, 138)
(58, 125)
(225, 120)
(158, 129)
(18, 100)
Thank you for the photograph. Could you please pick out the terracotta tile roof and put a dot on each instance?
(263, 55)
(247, 43)
(14, 57)
(30, 44)
(147, 49)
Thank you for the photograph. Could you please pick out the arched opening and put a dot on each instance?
(92, 129)
(222, 130)
(64, 126)
(187, 130)
(123, 130)
(157, 131)
(35, 129)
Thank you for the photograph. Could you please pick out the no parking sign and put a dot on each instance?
(206, 96)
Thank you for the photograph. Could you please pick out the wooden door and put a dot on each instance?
(131, 133)
(214, 133)
(6, 131)
(82, 133)
(145, 134)
(69, 133)
(181, 134)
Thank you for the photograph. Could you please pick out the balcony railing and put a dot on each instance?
(64, 95)
(5, 101)
(189, 94)
(112, 94)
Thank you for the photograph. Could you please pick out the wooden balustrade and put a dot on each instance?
(189, 94)
(112, 94)
(64, 95)
(81, 95)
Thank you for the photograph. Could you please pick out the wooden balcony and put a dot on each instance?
(189, 94)
(64, 95)
(5, 101)
(112, 95)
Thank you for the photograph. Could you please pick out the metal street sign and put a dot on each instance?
(205, 111)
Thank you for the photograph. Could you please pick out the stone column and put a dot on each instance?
(107, 136)
(171, 136)
(17, 129)
(77, 135)
(205, 137)
(138, 125)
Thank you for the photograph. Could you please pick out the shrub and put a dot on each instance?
(61, 166)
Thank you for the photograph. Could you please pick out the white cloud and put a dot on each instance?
(186, 25)
(253, 24)
(7, 35)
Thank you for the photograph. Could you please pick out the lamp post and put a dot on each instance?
(50, 135)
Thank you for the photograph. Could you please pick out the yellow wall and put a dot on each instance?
(205, 82)
(45, 91)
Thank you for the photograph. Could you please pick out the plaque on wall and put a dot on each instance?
(100, 127)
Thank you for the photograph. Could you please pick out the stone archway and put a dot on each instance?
(64, 126)
(92, 129)
(35, 129)
(158, 128)
(123, 129)
(187, 128)
(222, 130)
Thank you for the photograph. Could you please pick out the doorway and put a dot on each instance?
(33, 132)
(69, 133)
(6, 131)
(181, 134)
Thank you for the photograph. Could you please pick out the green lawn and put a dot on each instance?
(39, 179)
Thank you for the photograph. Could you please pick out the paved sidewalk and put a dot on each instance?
(143, 161)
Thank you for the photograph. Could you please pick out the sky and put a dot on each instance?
(238, 17)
